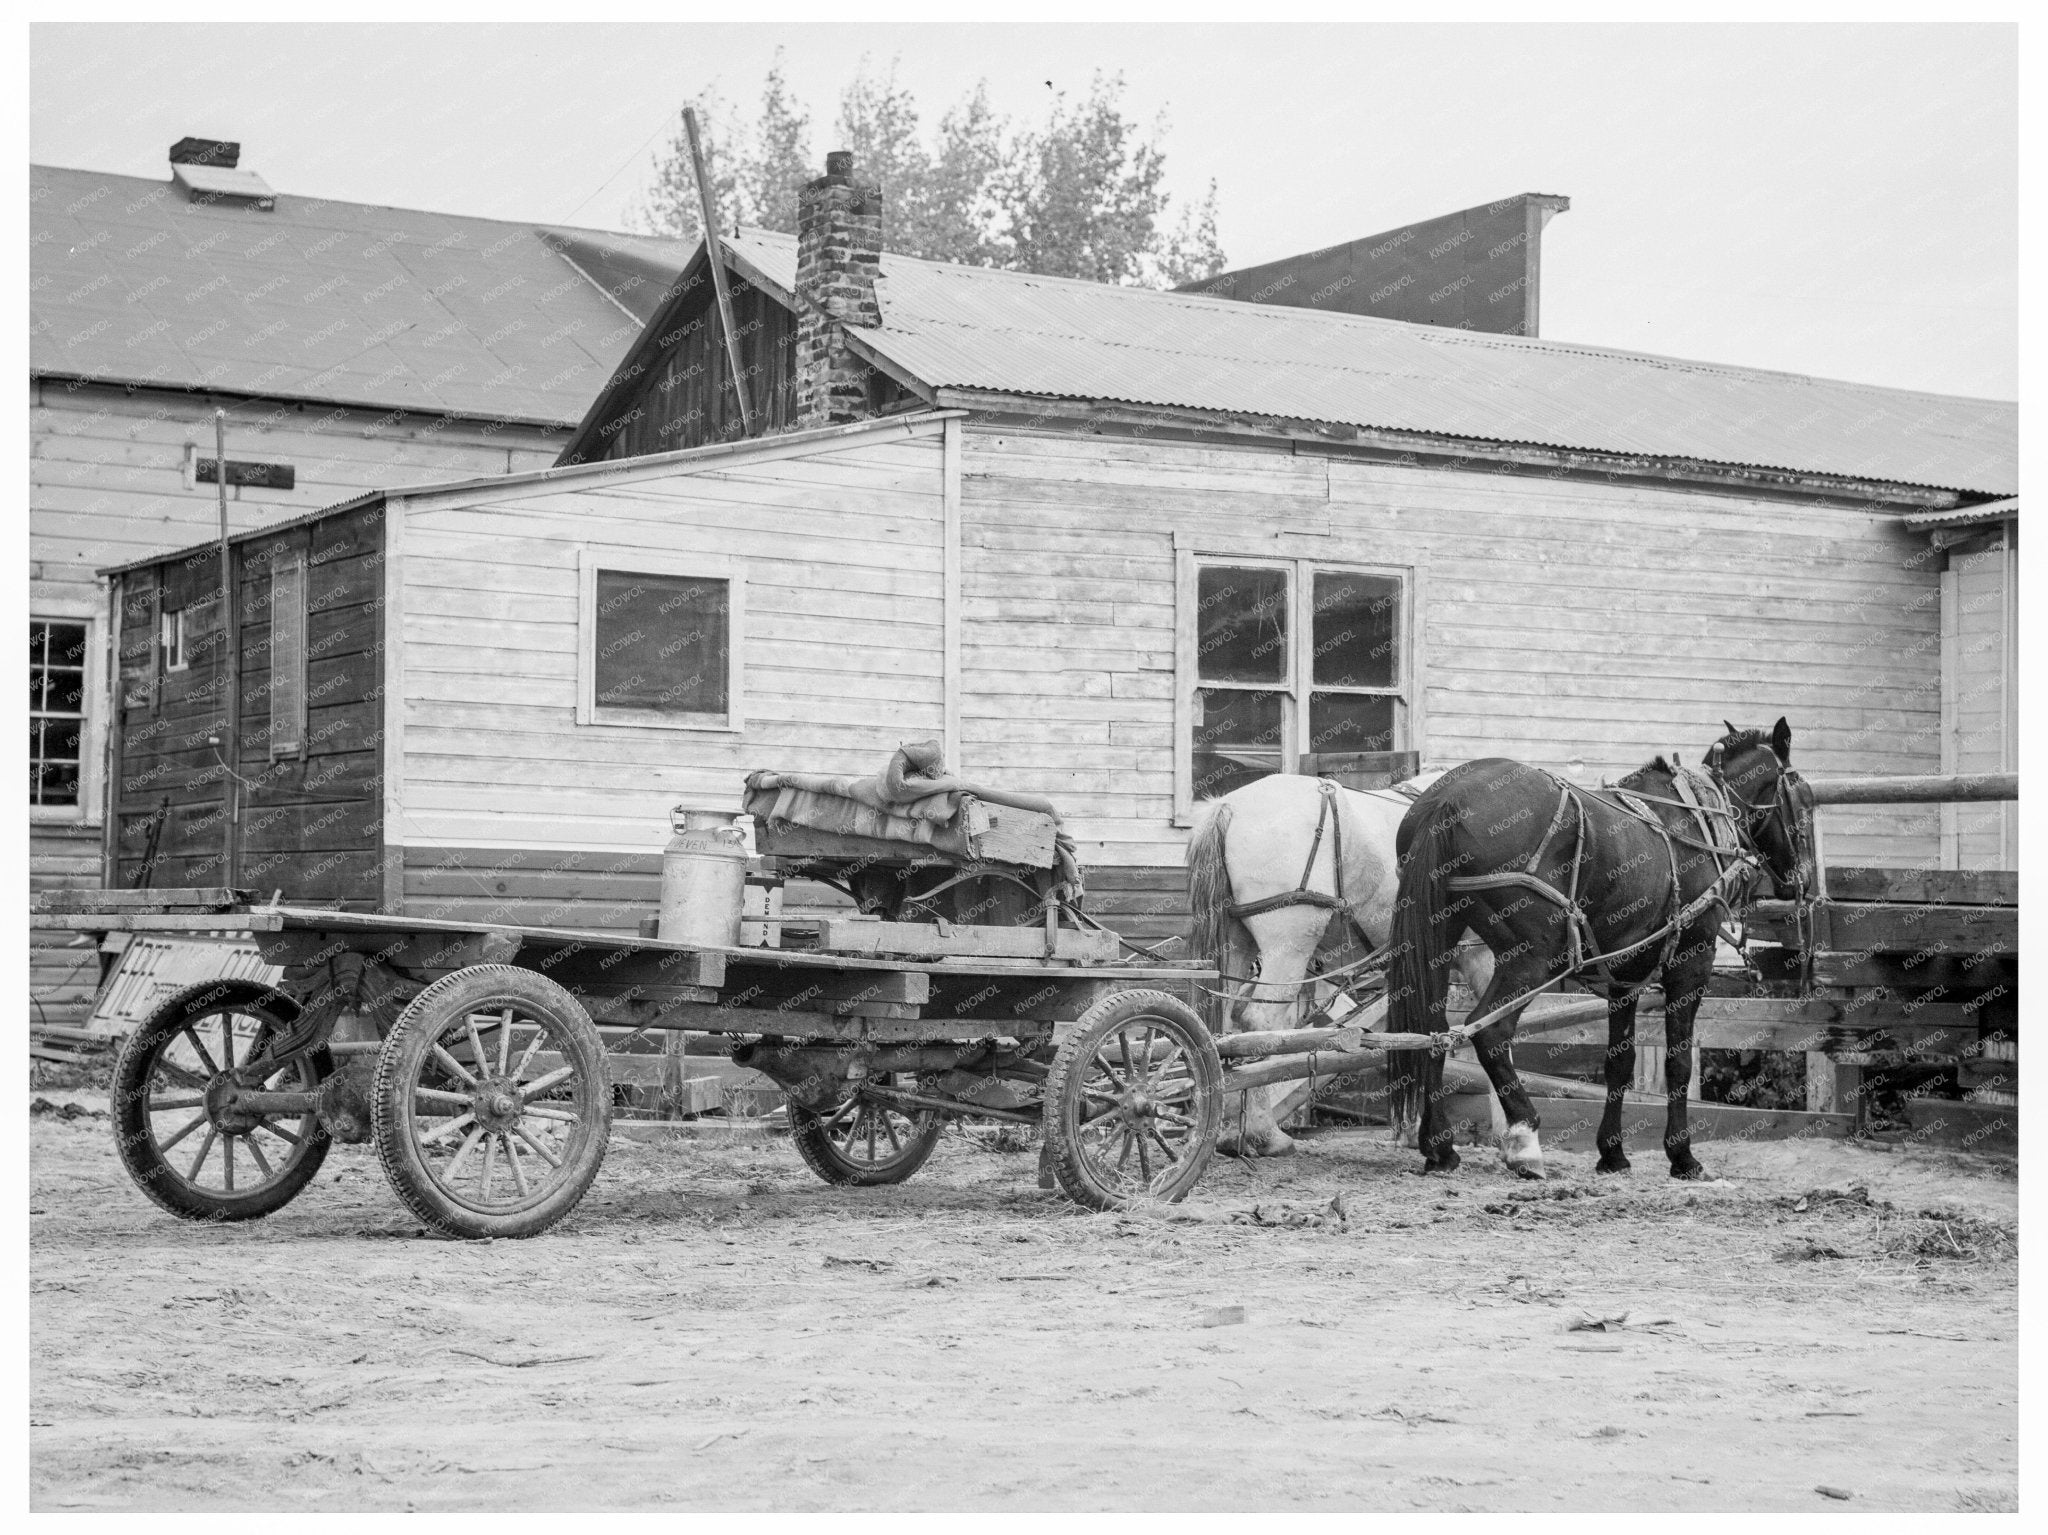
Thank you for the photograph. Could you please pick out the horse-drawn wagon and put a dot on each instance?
(490, 1100)
(471, 1053)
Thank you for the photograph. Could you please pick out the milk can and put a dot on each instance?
(703, 877)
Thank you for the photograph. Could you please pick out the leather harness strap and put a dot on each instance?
(1327, 815)
(1301, 894)
(1578, 927)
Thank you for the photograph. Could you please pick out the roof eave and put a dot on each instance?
(570, 474)
(1433, 447)
(115, 381)
(2005, 509)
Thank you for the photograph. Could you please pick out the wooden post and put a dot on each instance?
(1650, 1072)
(673, 1072)
(230, 713)
(1833, 1088)
(708, 211)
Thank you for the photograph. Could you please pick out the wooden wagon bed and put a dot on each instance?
(487, 1034)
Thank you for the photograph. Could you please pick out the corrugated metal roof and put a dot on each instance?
(131, 281)
(1983, 511)
(978, 328)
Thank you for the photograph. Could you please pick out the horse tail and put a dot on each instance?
(1423, 930)
(1209, 886)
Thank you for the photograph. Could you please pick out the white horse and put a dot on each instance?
(1273, 846)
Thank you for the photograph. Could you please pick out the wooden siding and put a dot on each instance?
(1980, 624)
(841, 655)
(109, 483)
(109, 480)
(685, 398)
(306, 823)
(312, 825)
(62, 978)
(1559, 620)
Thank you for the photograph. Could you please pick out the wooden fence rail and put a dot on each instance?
(1924, 789)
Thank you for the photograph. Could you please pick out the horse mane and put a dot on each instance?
(1657, 764)
(1739, 741)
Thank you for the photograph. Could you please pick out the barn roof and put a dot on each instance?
(977, 328)
(135, 281)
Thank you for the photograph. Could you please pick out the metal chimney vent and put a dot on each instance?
(208, 170)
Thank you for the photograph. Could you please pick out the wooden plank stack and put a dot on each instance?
(1923, 964)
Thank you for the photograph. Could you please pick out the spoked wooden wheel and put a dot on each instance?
(863, 1143)
(201, 1132)
(492, 1106)
(1133, 1102)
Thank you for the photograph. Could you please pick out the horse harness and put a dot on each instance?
(1302, 894)
(1723, 837)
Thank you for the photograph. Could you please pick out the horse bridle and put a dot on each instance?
(1783, 808)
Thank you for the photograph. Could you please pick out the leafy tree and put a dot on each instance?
(1081, 196)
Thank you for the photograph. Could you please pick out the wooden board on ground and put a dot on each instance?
(1570, 1124)
(1965, 1126)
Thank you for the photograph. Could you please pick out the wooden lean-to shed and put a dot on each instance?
(488, 696)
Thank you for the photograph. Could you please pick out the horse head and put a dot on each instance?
(1773, 804)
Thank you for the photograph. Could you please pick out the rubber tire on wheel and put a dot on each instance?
(814, 1145)
(147, 1165)
(406, 1054)
(1082, 1180)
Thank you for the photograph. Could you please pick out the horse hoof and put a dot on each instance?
(1278, 1146)
(1618, 1165)
(1689, 1171)
(1520, 1151)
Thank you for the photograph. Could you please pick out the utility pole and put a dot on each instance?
(227, 668)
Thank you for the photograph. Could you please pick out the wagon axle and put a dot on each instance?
(236, 1110)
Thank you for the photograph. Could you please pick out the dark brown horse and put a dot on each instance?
(1611, 887)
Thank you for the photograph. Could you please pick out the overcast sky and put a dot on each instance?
(1830, 200)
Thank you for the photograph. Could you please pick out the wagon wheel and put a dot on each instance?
(1133, 1102)
(492, 1106)
(183, 1122)
(864, 1143)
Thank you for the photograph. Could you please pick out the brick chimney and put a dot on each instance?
(838, 257)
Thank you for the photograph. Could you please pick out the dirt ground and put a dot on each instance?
(716, 1329)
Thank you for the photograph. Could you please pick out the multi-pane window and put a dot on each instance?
(1289, 658)
(661, 643)
(56, 711)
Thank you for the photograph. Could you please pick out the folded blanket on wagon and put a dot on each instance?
(913, 801)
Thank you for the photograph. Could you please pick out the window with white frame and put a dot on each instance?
(287, 653)
(1281, 658)
(659, 640)
(56, 712)
(171, 652)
